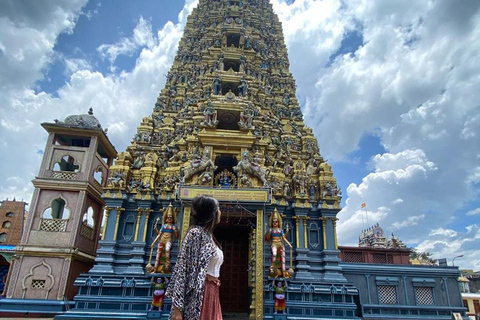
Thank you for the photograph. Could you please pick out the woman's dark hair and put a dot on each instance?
(205, 214)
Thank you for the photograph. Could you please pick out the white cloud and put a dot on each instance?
(414, 84)
(407, 175)
(411, 221)
(473, 212)
(443, 232)
(449, 244)
(119, 101)
(74, 65)
(142, 37)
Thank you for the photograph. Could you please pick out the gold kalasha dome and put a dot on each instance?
(228, 116)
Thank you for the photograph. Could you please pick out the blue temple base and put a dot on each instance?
(34, 306)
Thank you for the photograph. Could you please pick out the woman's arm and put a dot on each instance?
(178, 283)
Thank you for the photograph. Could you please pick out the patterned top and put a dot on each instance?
(188, 279)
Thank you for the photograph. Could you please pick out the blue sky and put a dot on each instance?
(390, 89)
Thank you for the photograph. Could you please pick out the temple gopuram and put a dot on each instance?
(227, 124)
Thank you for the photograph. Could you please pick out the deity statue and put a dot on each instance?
(199, 164)
(242, 88)
(246, 117)
(217, 85)
(116, 180)
(280, 287)
(139, 160)
(221, 57)
(159, 287)
(165, 236)
(247, 167)
(277, 237)
(286, 98)
(210, 115)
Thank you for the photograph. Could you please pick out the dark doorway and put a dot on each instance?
(233, 40)
(232, 64)
(234, 272)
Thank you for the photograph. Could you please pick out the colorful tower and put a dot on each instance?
(63, 225)
(227, 123)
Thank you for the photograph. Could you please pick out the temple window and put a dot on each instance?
(67, 163)
(7, 225)
(10, 214)
(231, 64)
(387, 294)
(55, 218)
(88, 217)
(233, 40)
(424, 295)
(98, 175)
(230, 87)
(88, 223)
(228, 120)
(314, 234)
(57, 210)
(3, 237)
(128, 228)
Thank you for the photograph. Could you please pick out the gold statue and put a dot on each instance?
(165, 236)
(276, 235)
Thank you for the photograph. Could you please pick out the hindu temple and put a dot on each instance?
(228, 124)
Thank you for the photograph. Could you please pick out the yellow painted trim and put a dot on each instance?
(119, 212)
(259, 267)
(139, 215)
(305, 231)
(186, 221)
(335, 232)
(297, 229)
(324, 224)
(107, 214)
(148, 211)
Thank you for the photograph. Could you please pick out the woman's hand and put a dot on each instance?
(213, 279)
(177, 315)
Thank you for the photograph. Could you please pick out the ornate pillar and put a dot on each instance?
(107, 214)
(305, 231)
(297, 231)
(145, 224)
(137, 225)
(303, 262)
(117, 221)
(334, 221)
(259, 267)
(331, 270)
(106, 252)
(324, 232)
(137, 262)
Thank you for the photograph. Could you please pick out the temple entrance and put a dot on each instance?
(233, 235)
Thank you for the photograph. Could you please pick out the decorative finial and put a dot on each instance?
(90, 111)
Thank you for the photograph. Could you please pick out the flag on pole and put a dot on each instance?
(364, 205)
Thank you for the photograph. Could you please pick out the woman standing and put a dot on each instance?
(194, 287)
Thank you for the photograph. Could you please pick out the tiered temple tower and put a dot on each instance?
(227, 124)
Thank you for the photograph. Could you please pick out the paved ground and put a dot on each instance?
(235, 316)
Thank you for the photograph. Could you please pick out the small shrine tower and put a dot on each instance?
(63, 224)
